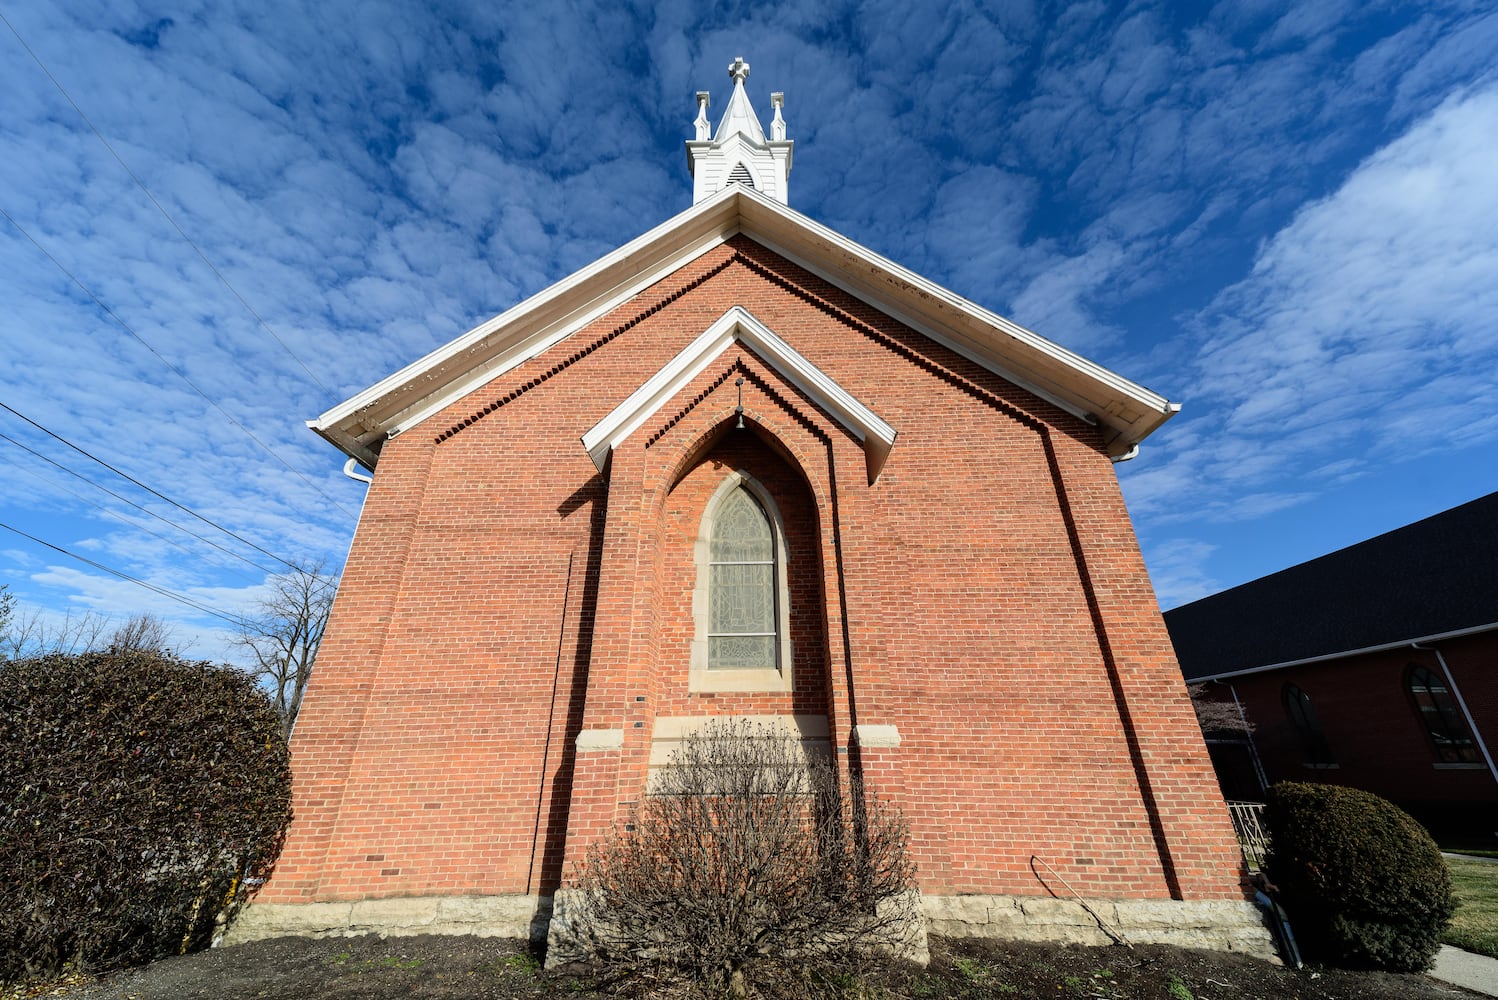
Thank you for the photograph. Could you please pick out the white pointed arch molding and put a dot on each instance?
(737, 324)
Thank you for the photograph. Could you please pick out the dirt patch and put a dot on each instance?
(369, 968)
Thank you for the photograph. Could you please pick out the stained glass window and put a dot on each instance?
(1442, 717)
(741, 616)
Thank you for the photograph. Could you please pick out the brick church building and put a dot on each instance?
(743, 466)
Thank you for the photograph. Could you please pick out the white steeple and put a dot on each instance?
(739, 153)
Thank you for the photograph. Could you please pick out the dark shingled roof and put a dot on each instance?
(1434, 576)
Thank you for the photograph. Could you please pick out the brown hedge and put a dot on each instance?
(139, 794)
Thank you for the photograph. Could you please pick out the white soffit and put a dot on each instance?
(737, 324)
(1128, 412)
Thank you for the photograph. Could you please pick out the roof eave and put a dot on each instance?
(355, 425)
(1127, 411)
(1342, 654)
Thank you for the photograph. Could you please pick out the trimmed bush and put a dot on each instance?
(138, 793)
(1364, 884)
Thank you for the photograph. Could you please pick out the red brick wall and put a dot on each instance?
(985, 595)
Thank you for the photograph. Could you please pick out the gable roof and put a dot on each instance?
(1126, 411)
(1431, 579)
(737, 324)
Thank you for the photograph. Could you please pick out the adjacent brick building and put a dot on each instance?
(1373, 666)
(743, 466)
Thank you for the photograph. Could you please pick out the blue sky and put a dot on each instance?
(1282, 215)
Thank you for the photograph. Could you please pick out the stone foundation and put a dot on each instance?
(482, 916)
(1216, 925)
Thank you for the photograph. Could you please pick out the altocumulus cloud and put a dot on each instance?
(378, 177)
(1362, 335)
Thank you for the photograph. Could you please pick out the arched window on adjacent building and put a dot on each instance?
(1441, 716)
(1308, 727)
(741, 600)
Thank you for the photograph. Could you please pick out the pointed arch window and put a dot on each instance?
(1441, 715)
(1308, 727)
(741, 598)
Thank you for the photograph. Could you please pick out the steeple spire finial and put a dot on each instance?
(739, 152)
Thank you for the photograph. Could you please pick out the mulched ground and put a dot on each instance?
(369, 968)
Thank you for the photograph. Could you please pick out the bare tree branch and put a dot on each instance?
(142, 633)
(284, 632)
(7, 611)
(29, 634)
(1217, 718)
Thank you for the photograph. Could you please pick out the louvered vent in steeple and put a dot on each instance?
(740, 175)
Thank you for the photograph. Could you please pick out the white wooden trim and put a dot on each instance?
(737, 324)
(1128, 411)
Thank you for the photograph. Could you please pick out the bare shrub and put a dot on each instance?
(748, 865)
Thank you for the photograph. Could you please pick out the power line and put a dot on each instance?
(138, 183)
(160, 496)
(175, 370)
(234, 620)
(127, 500)
(100, 507)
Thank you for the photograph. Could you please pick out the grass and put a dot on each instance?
(1176, 989)
(1475, 926)
(977, 980)
(386, 962)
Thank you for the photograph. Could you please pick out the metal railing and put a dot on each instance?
(1248, 824)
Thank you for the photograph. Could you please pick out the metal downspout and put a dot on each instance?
(348, 470)
(1253, 747)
